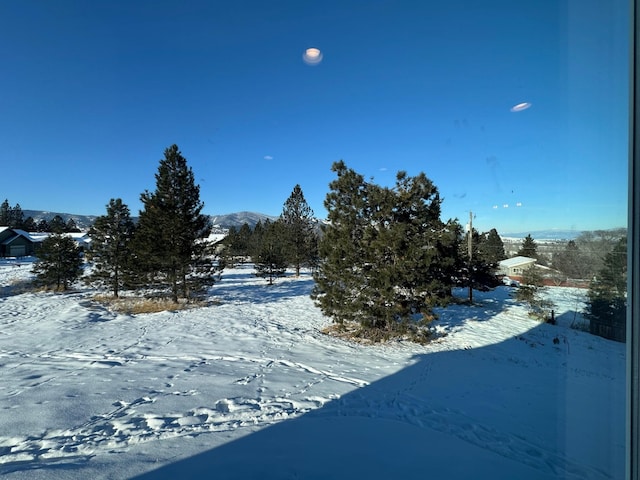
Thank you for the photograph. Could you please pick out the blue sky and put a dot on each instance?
(93, 92)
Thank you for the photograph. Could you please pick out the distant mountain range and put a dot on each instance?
(545, 235)
(558, 235)
(84, 222)
(238, 219)
(251, 218)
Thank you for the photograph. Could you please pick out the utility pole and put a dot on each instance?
(470, 257)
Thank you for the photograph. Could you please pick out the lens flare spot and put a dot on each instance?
(312, 56)
(520, 107)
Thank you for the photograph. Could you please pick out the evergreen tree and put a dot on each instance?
(300, 235)
(59, 261)
(339, 280)
(386, 255)
(530, 291)
(529, 247)
(12, 217)
(171, 227)
(594, 246)
(43, 226)
(491, 247)
(16, 217)
(242, 245)
(228, 243)
(238, 244)
(482, 267)
(71, 226)
(607, 305)
(255, 240)
(5, 213)
(57, 225)
(111, 246)
(570, 261)
(30, 225)
(270, 257)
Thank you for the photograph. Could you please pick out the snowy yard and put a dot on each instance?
(250, 388)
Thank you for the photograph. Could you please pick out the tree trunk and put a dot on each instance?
(116, 280)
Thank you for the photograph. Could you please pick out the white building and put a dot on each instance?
(515, 267)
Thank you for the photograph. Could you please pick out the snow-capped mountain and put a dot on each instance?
(240, 218)
(83, 222)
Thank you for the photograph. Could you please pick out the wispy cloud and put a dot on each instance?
(268, 157)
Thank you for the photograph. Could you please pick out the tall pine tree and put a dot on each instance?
(241, 246)
(11, 216)
(5, 213)
(529, 248)
(338, 280)
(43, 226)
(300, 236)
(57, 224)
(17, 217)
(30, 225)
(491, 247)
(111, 246)
(169, 242)
(479, 271)
(71, 226)
(386, 257)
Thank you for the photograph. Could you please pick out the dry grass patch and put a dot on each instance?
(138, 305)
(355, 332)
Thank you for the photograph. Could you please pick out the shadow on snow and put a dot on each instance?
(513, 415)
(514, 409)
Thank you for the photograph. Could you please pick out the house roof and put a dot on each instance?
(23, 233)
(17, 234)
(516, 261)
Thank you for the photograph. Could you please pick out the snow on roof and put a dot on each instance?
(77, 235)
(18, 233)
(23, 233)
(515, 261)
(38, 236)
(216, 237)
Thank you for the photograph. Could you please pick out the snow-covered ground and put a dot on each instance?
(249, 387)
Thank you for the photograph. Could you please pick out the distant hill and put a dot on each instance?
(545, 235)
(239, 219)
(84, 222)
(558, 235)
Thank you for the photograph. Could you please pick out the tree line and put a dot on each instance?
(383, 260)
(290, 241)
(13, 217)
(164, 250)
(167, 247)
